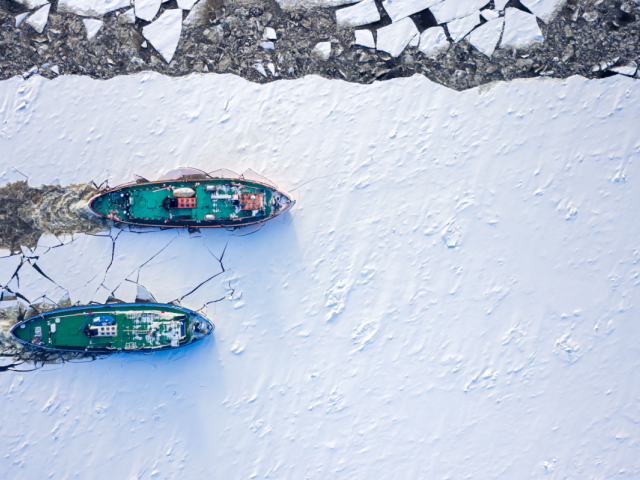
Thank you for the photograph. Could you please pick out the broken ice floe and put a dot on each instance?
(543, 9)
(91, 8)
(489, 15)
(92, 27)
(485, 38)
(32, 284)
(452, 9)
(186, 4)
(8, 266)
(520, 29)
(39, 19)
(322, 50)
(459, 28)
(364, 38)
(629, 70)
(394, 38)
(433, 40)
(399, 9)
(147, 9)
(164, 33)
(360, 14)
(79, 266)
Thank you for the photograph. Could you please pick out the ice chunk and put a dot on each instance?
(364, 38)
(55, 69)
(164, 33)
(520, 29)
(270, 34)
(543, 9)
(485, 38)
(32, 284)
(395, 37)
(268, 45)
(258, 66)
(399, 9)
(92, 27)
(31, 4)
(272, 68)
(629, 70)
(8, 266)
(459, 28)
(20, 18)
(452, 9)
(323, 50)
(148, 9)
(489, 15)
(39, 19)
(364, 12)
(186, 4)
(433, 40)
(94, 8)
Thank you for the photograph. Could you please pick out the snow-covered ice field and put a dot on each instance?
(453, 296)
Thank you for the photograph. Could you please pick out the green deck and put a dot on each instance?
(136, 327)
(142, 203)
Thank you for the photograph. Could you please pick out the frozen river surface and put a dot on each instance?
(453, 296)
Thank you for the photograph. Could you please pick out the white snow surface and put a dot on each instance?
(459, 28)
(485, 37)
(92, 27)
(92, 8)
(543, 9)
(433, 40)
(147, 9)
(39, 19)
(478, 321)
(164, 33)
(365, 38)
(399, 9)
(395, 37)
(451, 9)
(32, 4)
(500, 4)
(520, 29)
(360, 14)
